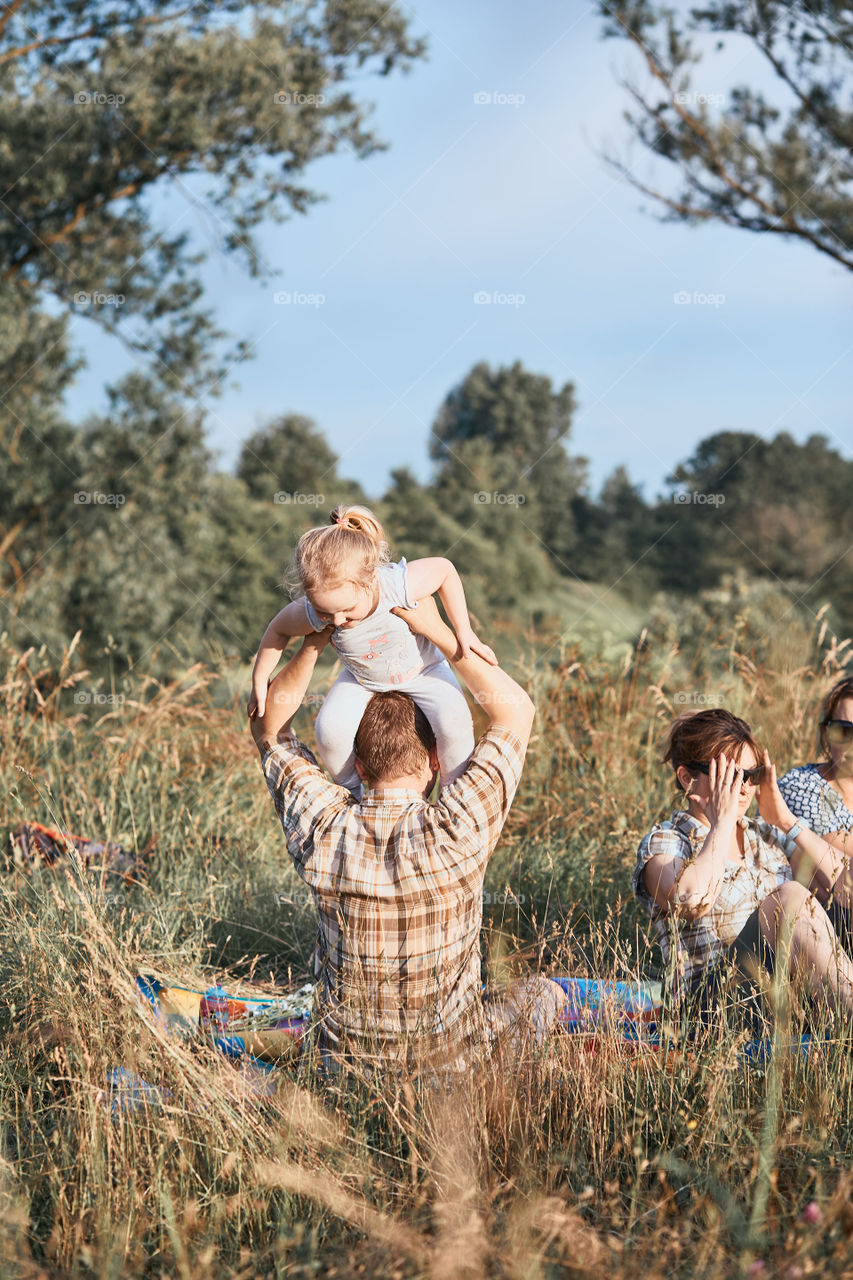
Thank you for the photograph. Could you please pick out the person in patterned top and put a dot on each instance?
(821, 797)
(398, 881)
(721, 886)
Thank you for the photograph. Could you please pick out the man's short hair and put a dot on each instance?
(394, 738)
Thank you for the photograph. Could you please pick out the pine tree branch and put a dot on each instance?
(773, 219)
(732, 219)
(96, 31)
(824, 121)
(84, 209)
(9, 12)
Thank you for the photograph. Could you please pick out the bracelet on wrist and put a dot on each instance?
(792, 834)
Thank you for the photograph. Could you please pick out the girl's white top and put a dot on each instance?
(380, 650)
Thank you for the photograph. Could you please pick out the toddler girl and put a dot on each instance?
(351, 584)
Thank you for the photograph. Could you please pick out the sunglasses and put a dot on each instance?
(751, 777)
(839, 730)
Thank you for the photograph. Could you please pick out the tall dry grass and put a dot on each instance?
(580, 1159)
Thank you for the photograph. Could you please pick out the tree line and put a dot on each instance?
(123, 528)
(157, 556)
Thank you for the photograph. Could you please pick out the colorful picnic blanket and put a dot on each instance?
(264, 1031)
(268, 1026)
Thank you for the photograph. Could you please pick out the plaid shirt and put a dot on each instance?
(692, 946)
(398, 887)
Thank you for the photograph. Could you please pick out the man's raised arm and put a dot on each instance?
(505, 703)
(285, 693)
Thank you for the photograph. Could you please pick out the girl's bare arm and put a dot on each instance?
(437, 574)
(291, 621)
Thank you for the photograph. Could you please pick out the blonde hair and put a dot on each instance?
(350, 548)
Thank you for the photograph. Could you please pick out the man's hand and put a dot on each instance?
(472, 644)
(505, 703)
(287, 690)
(427, 621)
(257, 702)
(318, 639)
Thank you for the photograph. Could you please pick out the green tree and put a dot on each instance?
(106, 111)
(501, 563)
(289, 457)
(38, 462)
(775, 508)
(696, 546)
(781, 166)
(149, 552)
(245, 557)
(499, 439)
(616, 534)
(132, 563)
(224, 105)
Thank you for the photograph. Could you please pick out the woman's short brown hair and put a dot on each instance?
(697, 736)
(394, 737)
(838, 692)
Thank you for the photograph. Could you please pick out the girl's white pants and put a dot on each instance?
(438, 695)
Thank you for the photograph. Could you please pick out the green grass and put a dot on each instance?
(570, 1163)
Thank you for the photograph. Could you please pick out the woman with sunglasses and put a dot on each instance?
(821, 797)
(723, 887)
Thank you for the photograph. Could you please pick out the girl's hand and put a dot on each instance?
(472, 644)
(256, 706)
(723, 801)
(771, 802)
(257, 703)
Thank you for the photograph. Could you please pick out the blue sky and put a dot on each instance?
(511, 199)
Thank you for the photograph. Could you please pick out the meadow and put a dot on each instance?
(673, 1162)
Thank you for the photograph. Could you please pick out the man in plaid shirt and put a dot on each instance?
(398, 881)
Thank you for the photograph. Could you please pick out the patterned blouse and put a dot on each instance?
(692, 946)
(809, 796)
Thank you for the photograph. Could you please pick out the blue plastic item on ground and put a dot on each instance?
(129, 1093)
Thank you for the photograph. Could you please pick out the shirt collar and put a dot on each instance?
(686, 821)
(392, 796)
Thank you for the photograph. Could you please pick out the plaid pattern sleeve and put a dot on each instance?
(690, 946)
(305, 799)
(667, 839)
(687, 947)
(471, 812)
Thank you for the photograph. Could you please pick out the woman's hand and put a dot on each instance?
(724, 790)
(771, 802)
